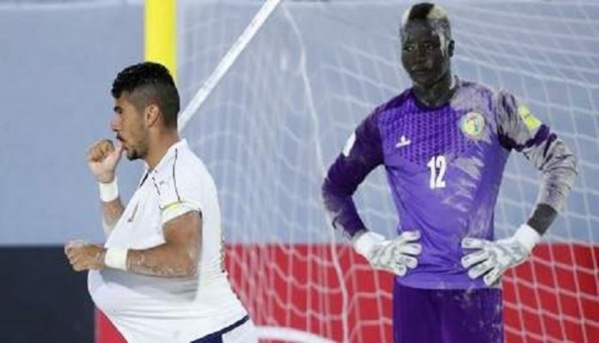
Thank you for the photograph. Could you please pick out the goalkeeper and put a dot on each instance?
(444, 143)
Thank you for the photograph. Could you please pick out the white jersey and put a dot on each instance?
(152, 309)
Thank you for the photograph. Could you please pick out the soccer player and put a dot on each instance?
(160, 276)
(444, 143)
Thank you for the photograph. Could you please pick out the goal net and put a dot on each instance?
(269, 126)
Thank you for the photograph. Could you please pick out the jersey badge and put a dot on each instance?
(531, 122)
(473, 125)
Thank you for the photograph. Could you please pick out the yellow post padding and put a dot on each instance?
(160, 33)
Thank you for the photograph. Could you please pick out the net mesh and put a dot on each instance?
(282, 113)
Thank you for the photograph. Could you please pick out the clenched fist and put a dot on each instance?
(103, 158)
(84, 256)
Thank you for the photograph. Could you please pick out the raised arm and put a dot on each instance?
(102, 159)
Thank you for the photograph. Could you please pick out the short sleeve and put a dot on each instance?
(177, 194)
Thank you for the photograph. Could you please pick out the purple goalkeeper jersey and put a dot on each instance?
(444, 166)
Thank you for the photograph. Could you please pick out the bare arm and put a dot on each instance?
(102, 159)
(178, 256)
(111, 212)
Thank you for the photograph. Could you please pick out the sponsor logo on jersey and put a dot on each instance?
(403, 141)
(473, 125)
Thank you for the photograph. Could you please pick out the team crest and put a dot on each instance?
(473, 125)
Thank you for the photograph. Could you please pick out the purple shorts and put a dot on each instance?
(447, 315)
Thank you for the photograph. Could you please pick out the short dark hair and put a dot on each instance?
(432, 13)
(149, 83)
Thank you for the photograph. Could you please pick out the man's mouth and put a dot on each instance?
(122, 141)
(419, 70)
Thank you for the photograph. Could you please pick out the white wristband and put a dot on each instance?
(109, 191)
(527, 236)
(116, 258)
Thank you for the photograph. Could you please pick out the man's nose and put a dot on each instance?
(114, 124)
(421, 54)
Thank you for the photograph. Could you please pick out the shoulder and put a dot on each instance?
(189, 163)
(182, 159)
(394, 103)
(472, 88)
(487, 96)
(183, 169)
(387, 110)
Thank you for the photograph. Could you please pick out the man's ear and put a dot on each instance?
(152, 113)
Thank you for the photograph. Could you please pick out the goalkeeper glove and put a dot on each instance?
(394, 255)
(493, 258)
